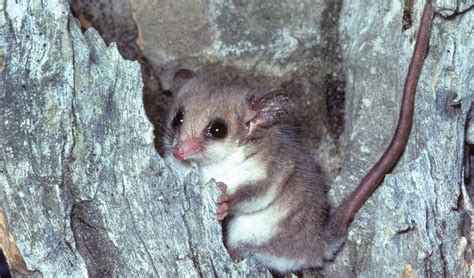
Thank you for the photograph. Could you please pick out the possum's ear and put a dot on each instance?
(180, 78)
(264, 111)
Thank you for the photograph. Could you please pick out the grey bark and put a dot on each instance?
(418, 221)
(85, 193)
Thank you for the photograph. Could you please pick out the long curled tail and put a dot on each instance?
(342, 217)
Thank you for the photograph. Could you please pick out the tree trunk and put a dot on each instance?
(83, 191)
(82, 187)
(418, 222)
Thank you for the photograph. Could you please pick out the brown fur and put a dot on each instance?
(292, 185)
(298, 179)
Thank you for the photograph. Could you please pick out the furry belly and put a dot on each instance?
(251, 229)
(256, 233)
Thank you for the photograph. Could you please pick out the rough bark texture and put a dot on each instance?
(418, 222)
(84, 192)
(82, 186)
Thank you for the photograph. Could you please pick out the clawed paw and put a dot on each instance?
(222, 202)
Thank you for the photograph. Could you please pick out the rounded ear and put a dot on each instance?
(180, 78)
(265, 110)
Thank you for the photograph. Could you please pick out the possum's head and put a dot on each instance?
(209, 119)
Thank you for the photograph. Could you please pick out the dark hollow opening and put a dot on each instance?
(316, 89)
(4, 271)
(469, 155)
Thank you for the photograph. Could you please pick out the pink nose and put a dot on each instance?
(177, 152)
(187, 148)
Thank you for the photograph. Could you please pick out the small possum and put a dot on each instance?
(273, 197)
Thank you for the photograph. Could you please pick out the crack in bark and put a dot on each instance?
(137, 233)
(193, 256)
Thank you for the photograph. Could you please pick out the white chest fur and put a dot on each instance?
(235, 170)
(255, 228)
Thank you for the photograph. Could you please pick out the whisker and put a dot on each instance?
(164, 127)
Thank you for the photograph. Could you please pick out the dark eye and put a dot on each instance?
(178, 120)
(217, 129)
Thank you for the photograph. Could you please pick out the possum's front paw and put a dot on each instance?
(222, 202)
